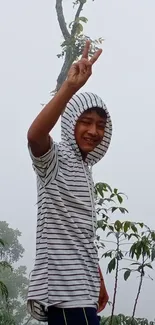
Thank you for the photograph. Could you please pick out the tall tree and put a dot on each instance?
(12, 309)
(12, 251)
(3, 266)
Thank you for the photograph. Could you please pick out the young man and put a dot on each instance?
(66, 284)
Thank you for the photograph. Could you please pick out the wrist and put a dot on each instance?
(63, 96)
(68, 88)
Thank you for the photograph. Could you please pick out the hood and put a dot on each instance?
(78, 104)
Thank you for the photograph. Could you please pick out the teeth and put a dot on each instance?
(89, 140)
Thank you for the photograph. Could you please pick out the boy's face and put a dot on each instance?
(89, 131)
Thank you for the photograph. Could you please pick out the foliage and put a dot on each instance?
(12, 251)
(125, 320)
(5, 318)
(17, 284)
(3, 266)
(137, 237)
(13, 278)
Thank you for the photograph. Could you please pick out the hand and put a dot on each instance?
(103, 297)
(80, 72)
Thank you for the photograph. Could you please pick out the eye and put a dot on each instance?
(86, 122)
(101, 126)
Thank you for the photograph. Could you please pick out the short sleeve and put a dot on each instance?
(46, 166)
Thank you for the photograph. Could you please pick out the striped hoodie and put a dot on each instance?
(66, 272)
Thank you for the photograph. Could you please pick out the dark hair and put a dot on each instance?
(99, 110)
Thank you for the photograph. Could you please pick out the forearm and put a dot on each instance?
(50, 114)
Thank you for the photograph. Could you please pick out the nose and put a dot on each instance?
(93, 130)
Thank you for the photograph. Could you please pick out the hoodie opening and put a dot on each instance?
(79, 104)
(89, 130)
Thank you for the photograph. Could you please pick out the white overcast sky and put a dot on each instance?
(124, 77)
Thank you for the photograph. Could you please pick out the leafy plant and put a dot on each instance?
(137, 237)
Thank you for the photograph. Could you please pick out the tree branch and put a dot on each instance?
(64, 70)
(116, 283)
(61, 20)
(70, 55)
(139, 291)
(71, 38)
(77, 15)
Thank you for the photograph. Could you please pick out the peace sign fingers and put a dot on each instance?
(86, 50)
(86, 53)
(81, 71)
(95, 56)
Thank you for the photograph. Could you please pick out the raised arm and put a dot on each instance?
(79, 73)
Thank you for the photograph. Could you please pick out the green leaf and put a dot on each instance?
(105, 217)
(99, 189)
(83, 19)
(107, 186)
(141, 224)
(100, 223)
(123, 210)
(109, 233)
(118, 225)
(138, 250)
(153, 235)
(153, 253)
(120, 199)
(134, 228)
(132, 251)
(79, 28)
(119, 255)
(111, 265)
(111, 228)
(133, 235)
(146, 249)
(113, 209)
(127, 274)
(148, 265)
(101, 244)
(115, 190)
(127, 225)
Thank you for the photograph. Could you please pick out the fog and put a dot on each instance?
(124, 77)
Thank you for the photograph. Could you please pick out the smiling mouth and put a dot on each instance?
(90, 141)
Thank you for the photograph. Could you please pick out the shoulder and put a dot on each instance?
(65, 151)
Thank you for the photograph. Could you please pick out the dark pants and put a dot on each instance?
(72, 316)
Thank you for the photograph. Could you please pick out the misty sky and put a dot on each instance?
(124, 77)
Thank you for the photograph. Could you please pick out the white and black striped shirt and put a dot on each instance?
(66, 272)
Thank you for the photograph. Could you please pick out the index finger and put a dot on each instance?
(86, 50)
(95, 56)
